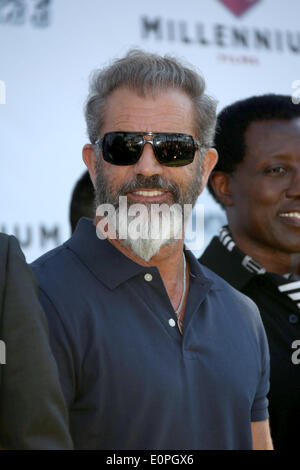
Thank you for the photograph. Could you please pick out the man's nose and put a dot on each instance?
(293, 190)
(148, 164)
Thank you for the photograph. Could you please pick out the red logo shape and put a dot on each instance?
(238, 7)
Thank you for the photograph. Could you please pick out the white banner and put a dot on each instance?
(49, 48)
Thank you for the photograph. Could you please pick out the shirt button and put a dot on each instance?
(293, 318)
(148, 277)
(172, 322)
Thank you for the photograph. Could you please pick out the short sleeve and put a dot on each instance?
(60, 345)
(259, 410)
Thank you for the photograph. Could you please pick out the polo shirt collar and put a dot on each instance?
(224, 258)
(107, 263)
(228, 261)
(196, 272)
(112, 267)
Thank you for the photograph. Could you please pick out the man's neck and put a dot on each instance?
(295, 263)
(273, 260)
(169, 262)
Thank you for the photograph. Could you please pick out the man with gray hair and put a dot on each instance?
(154, 351)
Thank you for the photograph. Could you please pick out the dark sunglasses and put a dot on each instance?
(125, 148)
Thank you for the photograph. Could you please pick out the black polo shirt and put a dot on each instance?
(276, 297)
(130, 379)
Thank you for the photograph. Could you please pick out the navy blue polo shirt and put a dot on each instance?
(130, 379)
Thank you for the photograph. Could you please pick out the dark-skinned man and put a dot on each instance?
(257, 181)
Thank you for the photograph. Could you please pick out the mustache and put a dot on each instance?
(151, 182)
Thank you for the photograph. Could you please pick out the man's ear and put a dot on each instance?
(90, 160)
(221, 184)
(208, 163)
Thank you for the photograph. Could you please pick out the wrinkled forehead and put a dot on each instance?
(169, 110)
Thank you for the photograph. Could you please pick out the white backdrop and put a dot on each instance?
(48, 49)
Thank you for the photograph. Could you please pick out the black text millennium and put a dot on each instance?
(220, 35)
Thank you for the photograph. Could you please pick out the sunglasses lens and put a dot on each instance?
(122, 148)
(125, 148)
(174, 150)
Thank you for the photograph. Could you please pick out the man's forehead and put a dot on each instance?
(126, 98)
(272, 133)
(270, 127)
(169, 109)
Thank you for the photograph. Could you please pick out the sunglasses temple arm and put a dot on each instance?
(99, 142)
(198, 144)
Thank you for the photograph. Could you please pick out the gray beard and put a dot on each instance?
(146, 246)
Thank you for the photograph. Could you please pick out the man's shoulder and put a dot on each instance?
(13, 266)
(56, 269)
(64, 261)
(4, 248)
(62, 279)
(220, 284)
(9, 243)
(50, 260)
(4, 240)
